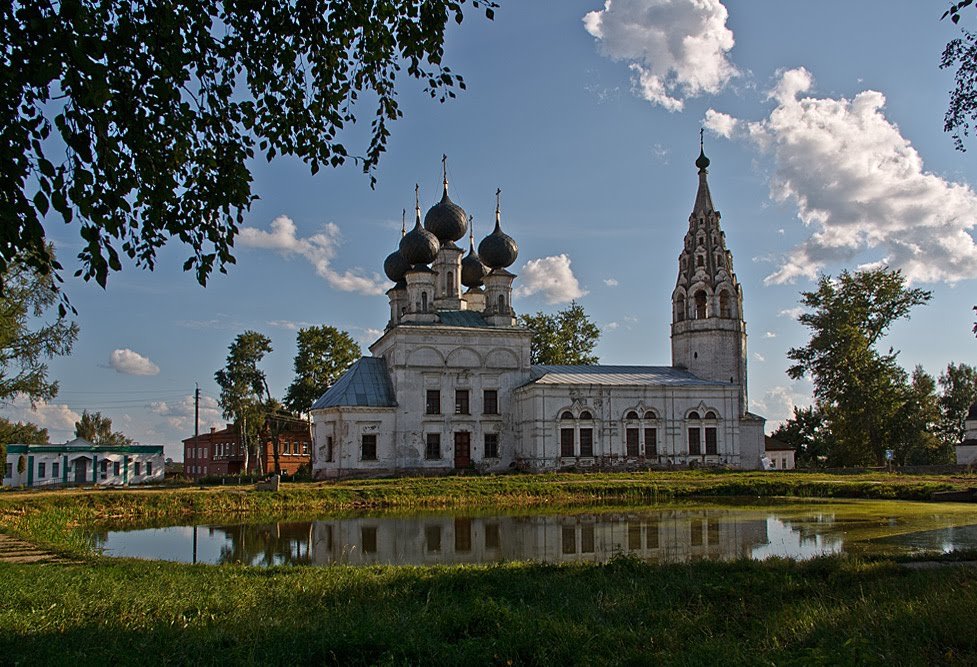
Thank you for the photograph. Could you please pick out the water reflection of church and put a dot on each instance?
(659, 536)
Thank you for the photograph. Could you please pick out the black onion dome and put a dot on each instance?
(395, 266)
(419, 246)
(702, 162)
(446, 219)
(472, 269)
(498, 250)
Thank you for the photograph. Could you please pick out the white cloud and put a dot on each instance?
(770, 334)
(676, 49)
(792, 313)
(179, 415)
(860, 186)
(550, 276)
(288, 324)
(720, 123)
(56, 417)
(611, 282)
(611, 326)
(777, 404)
(759, 357)
(319, 249)
(127, 362)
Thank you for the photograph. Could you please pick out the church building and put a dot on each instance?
(450, 387)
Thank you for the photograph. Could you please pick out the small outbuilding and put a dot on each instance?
(967, 450)
(81, 462)
(779, 454)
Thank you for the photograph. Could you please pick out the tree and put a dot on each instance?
(959, 392)
(27, 340)
(914, 440)
(807, 432)
(566, 338)
(858, 389)
(20, 433)
(324, 353)
(97, 429)
(159, 107)
(243, 387)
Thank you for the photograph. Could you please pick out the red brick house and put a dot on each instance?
(221, 453)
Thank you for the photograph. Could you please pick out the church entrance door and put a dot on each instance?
(463, 449)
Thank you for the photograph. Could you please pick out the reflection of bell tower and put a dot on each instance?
(708, 331)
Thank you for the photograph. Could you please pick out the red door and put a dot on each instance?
(463, 449)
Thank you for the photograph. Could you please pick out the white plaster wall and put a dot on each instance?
(966, 454)
(111, 479)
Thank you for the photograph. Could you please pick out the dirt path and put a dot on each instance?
(13, 550)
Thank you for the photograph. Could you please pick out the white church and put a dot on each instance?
(449, 385)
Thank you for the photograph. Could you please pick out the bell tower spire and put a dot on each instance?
(708, 330)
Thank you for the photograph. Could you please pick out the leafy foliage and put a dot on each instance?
(158, 107)
(959, 385)
(21, 433)
(26, 339)
(858, 389)
(97, 429)
(807, 432)
(324, 353)
(244, 386)
(568, 337)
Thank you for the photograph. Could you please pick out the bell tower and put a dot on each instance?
(708, 330)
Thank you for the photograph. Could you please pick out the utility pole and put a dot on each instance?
(196, 445)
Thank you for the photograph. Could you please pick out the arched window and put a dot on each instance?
(725, 305)
(450, 282)
(650, 415)
(501, 303)
(700, 305)
(566, 415)
(711, 415)
(702, 240)
(631, 415)
(699, 260)
(694, 415)
(423, 302)
(680, 308)
(586, 415)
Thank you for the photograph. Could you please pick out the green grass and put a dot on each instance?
(827, 611)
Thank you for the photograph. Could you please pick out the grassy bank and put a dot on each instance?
(828, 611)
(54, 519)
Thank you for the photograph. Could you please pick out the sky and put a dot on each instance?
(823, 122)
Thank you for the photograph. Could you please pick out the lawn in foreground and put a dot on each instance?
(831, 611)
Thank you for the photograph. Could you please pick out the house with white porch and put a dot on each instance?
(83, 463)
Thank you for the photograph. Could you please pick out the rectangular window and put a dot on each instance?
(9, 471)
(711, 441)
(433, 402)
(305, 449)
(773, 463)
(138, 467)
(463, 535)
(695, 442)
(149, 468)
(631, 437)
(432, 539)
(329, 448)
(713, 535)
(432, 448)
(105, 469)
(696, 533)
(566, 442)
(492, 539)
(586, 442)
(461, 402)
(651, 536)
(569, 540)
(369, 447)
(55, 469)
(651, 442)
(116, 468)
(634, 536)
(368, 536)
(491, 445)
(490, 402)
(41, 469)
(587, 538)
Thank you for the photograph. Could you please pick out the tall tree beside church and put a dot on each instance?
(97, 429)
(914, 435)
(244, 387)
(565, 338)
(324, 353)
(30, 333)
(959, 391)
(859, 389)
(137, 122)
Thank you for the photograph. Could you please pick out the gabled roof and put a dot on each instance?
(615, 375)
(773, 445)
(366, 384)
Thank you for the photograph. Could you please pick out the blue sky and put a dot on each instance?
(824, 127)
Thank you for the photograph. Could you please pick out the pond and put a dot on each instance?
(662, 533)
